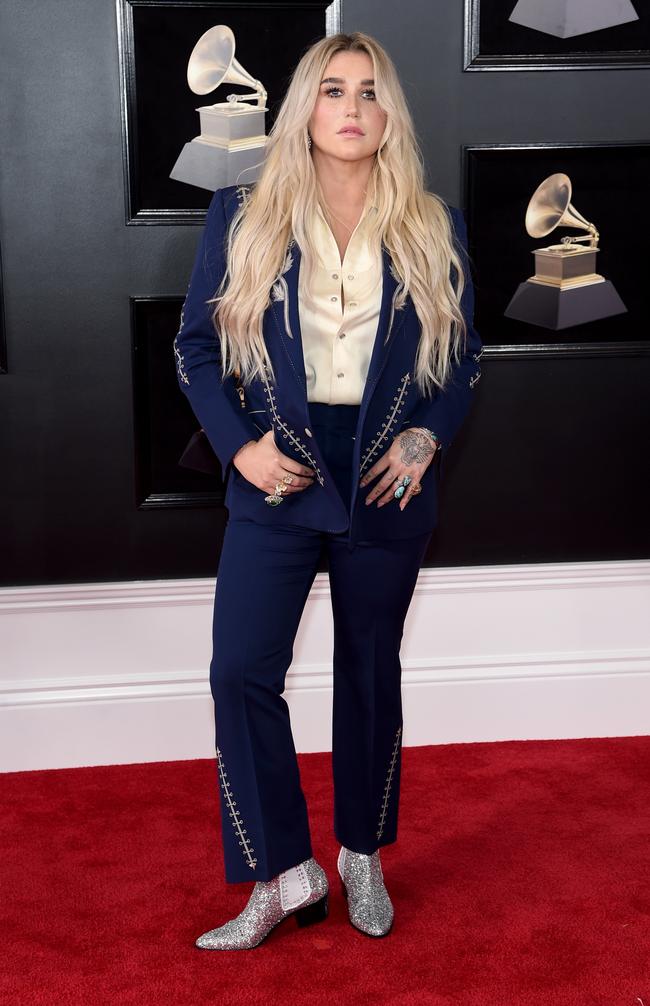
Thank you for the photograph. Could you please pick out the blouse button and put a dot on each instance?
(335, 275)
(352, 303)
(342, 335)
(340, 373)
(333, 298)
(349, 277)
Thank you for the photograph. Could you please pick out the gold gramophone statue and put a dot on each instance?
(566, 290)
(233, 133)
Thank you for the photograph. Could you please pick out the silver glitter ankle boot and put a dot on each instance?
(369, 906)
(301, 891)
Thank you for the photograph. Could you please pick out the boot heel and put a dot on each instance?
(315, 912)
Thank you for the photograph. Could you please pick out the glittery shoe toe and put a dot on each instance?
(301, 891)
(369, 905)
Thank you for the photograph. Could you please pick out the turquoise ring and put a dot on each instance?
(403, 482)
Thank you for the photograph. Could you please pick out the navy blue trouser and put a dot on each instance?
(264, 577)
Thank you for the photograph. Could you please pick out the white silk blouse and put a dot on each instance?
(339, 314)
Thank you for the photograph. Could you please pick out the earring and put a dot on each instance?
(308, 140)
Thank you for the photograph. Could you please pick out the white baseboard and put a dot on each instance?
(114, 673)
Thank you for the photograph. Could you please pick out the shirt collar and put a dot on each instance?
(326, 243)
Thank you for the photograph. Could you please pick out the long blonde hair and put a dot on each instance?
(415, 225)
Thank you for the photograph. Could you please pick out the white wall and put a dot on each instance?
(112, 673)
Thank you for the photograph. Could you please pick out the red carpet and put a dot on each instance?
(521, 875)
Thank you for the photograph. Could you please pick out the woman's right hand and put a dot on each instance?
(262, 464)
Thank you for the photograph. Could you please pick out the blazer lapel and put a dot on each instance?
(284, 304)
(387, 326)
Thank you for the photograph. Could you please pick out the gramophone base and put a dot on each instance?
(568, 18)
(211, 167)
(549, 307)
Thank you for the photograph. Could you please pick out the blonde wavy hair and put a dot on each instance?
(415, 225)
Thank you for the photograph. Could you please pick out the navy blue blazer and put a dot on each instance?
(390, 402)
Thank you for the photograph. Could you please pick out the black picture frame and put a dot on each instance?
(609, 183)
(158, 109)
(492, 42)
(4, 364)
(163, 418)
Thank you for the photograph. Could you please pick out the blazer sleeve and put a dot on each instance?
(445, 412)
(215, 402)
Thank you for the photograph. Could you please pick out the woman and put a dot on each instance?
(337, 289)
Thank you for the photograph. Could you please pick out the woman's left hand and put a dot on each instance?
(410, 453)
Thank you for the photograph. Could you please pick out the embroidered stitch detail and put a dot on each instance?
(235, 816)
(389, 781)
(477, 356)
(288, 259)
(287, 433)
(285, 299)
(474, 378)
(280, 289)
(392, 309)
(180, 362)
(390, 421)
(243, 193)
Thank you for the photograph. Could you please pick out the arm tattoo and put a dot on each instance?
(416, 447)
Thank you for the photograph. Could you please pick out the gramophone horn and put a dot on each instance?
(212, 62)
(550, 207)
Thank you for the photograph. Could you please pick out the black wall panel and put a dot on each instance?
(553, 463)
